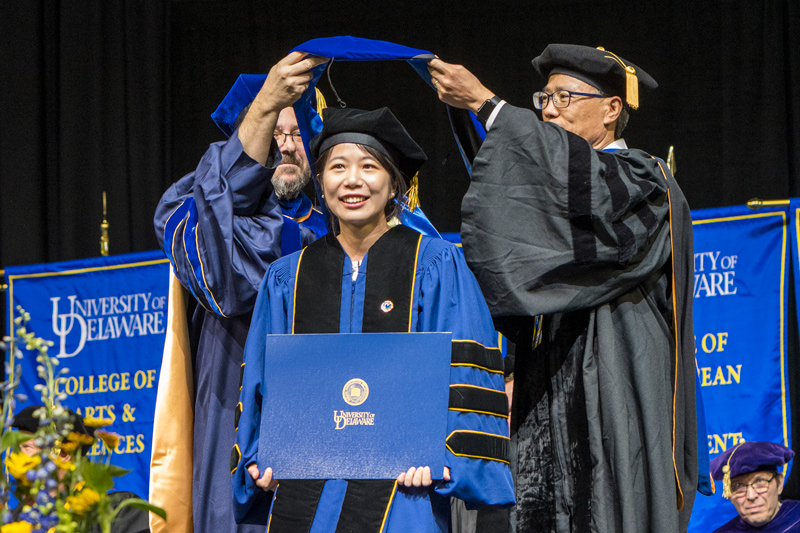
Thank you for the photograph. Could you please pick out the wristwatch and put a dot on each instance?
(486, 108)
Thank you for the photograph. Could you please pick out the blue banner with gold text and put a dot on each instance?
(107, 318)
(741, 272)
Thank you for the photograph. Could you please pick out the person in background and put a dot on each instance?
(129, 519)
(753, 481)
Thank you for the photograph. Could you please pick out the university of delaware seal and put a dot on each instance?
(355, 391)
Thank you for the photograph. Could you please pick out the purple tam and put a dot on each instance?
(750, 457)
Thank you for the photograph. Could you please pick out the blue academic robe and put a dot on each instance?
(446, 297)
(786, 519)
(221, 226)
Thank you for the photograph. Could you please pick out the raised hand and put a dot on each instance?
(457, 86)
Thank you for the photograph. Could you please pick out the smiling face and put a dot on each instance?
(294, 172)
(757, 509)
(357, 187)
(591, 118)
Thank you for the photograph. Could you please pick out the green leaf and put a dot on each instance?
(143, 505)
(97, 476)
(117, 471)
(12, 439)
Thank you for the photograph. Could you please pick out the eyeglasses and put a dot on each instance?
(760, 486)
(561, 99)
(281, 137)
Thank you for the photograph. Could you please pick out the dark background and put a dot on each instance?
(113, 95)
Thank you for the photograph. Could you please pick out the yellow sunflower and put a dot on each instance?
(17, 527)
(93, 422)
(19, 463)
(83, 501)
(80, 438)
(110, 439)
(63, 464)
(69, 447)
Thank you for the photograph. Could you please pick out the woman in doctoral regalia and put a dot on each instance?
(342, 283)
(752, 480)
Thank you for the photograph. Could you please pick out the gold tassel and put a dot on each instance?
(633, 87)
(726, 481)
(412, 195)
(321, 103)
(726, 475)
(631, 81)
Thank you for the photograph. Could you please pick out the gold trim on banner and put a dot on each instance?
(10, 311)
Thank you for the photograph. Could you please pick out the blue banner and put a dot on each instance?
(740, 318)
(107, 319)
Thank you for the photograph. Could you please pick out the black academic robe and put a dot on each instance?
(600, 243)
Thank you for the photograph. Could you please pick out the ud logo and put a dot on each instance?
(355, 391)
(63, 325)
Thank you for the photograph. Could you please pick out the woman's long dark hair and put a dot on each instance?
(398, 180)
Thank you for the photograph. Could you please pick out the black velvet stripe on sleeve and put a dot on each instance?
(317, 298)
(579, 202)
(643, 212)
(620, 200)
(236, 455)
(478, 400)
(237, 415)
(241, 376)
(295, 505)
(479, 445)
(390, 281)
(473, 354)
(365, 504)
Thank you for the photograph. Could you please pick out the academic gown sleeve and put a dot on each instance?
(220, 227)
(270, 315)
(450, 300)
(552, 225)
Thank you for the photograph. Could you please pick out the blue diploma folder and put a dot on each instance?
(354, 406)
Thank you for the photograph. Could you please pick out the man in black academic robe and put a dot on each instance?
(562, 219)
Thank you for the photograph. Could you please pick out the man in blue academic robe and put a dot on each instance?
(221, 226)
(752, 481)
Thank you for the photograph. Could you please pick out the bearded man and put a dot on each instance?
(221, 226)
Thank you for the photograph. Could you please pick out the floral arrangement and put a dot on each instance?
(58, 488)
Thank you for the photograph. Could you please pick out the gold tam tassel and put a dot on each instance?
(726, 475)
(321, 103)
(726, 482)
(412, 195)
(633, 87)
(631, 80)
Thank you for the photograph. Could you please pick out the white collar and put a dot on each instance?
(619, 144)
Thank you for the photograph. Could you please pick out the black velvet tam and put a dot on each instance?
(378, 129)
(599, 68)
